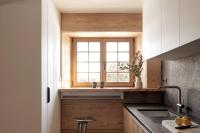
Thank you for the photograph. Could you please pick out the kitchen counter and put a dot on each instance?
(145, 121)
(154, 125)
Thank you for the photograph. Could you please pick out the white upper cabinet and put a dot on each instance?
(151, 28)
(170, 25)
(146, 31)
(189, 21)
(156, 25)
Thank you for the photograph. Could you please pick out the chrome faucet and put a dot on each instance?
(180, 105)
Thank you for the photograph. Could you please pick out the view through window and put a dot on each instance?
(97, 60)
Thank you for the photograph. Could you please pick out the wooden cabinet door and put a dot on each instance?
(170, 25)
(189, 21)
(108, 115)
(131, 124)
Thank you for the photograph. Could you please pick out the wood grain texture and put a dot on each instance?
(108, 114)
(106, 89)
(138, 43)
(143, 97)
(102, 22)
(151, 75)
(94, 131)
(131, 124)
(154, 73)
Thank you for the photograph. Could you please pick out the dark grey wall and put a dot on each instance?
(184, 73)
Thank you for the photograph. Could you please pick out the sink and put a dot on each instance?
(157, 113)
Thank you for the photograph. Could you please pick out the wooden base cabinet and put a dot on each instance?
(108, 115)
(131, 124)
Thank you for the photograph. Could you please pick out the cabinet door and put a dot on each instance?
(146, 31)
(189, 21)
(131, 125)
(152, 28)
(170, 25)
(155, 27)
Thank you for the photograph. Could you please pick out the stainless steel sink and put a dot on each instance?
(157, 113)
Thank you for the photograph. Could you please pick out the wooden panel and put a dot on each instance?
(138, 43)
(154, 73)
(66, 66)
(102, 22)
(131, 125)
(94, 131)
(108, 113)
(142, 97)
(151, 75)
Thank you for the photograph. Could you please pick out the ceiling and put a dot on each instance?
(99, 6)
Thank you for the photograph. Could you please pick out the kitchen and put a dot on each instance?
(60, 66)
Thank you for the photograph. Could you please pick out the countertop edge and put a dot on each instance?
(110, 89)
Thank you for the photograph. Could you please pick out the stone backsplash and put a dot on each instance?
(184, 73)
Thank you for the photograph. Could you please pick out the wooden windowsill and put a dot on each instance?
(106, 89)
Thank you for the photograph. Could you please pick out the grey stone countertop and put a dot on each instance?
(154, 125)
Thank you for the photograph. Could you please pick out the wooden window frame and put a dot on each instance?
(102, 61)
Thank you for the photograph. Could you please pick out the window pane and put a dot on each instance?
(94, 56)
(111, 57)
(123, 57)
(123, 77)
(82, 77)
(123, 46)
(124, 63)
(82, 67)
(82, 56)
(94, 77)
(111, 67)
(111, 46)
(111, 77)
(94, 67)
(94, 46)
(82, 46)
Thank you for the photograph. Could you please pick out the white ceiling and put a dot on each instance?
(99, 6)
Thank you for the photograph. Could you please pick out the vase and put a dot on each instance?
(138, 83)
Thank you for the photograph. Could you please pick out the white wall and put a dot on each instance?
(29, 42)
(20, 66)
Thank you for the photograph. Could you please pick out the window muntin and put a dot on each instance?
(88, 61)
(96, 60)
(117, 52)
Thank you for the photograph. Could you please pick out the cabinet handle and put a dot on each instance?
(48, 94)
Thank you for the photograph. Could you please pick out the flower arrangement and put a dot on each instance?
(135, 66)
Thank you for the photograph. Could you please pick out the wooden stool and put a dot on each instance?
(82, 123)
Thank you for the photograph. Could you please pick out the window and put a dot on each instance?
(97, 59)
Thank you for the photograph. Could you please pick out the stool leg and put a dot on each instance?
(84, 127)
(79, 128)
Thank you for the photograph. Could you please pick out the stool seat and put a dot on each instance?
(84, 119)
(82, 123)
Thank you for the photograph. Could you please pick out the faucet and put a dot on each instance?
(180, 105)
